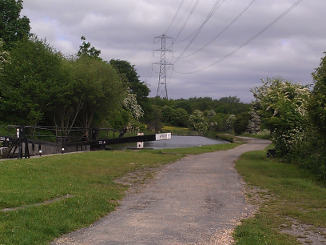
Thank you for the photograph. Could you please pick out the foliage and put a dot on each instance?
(130, 103)
(198, 122)
(31, 82)
(218, 123)
(175, 117)
(40, 86)
(129, 76)
(282, 107)
(184, 104)
(87, 50)
(97, 91)
(4, 55)
(154, 120)
(230, 122)
(254, 123)
(241, 122)
(13, 28)
(317, 102)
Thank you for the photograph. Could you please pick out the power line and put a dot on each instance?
(187, 20)
(216, 6)
(175, 16)
(227, 27)
(248, 41)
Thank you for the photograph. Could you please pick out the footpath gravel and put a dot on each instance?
(197, 200)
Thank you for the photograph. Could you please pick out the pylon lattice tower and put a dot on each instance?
(161, 87)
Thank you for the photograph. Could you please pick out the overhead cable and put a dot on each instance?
(187, 20)
(227, 27)
(176, 14)
(248, 41)
(211, 13)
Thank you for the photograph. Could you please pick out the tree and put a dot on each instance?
(254, 122)
(241, 122)
(184, 104)
(317, 102)
(13, 28)
(31, 82)
(180, 117)
(230, 100)
(97, 91)
(198, 122)
(129, 75)
(154, 121)
(87, 50)
(282, 107)
(218, 122)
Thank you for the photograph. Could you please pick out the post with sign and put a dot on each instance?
(165, 136)
(140, 145)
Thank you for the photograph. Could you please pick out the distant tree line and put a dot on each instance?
(202, 114)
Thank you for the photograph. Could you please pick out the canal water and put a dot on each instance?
(174, 142)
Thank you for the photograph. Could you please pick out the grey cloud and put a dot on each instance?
(125, 29)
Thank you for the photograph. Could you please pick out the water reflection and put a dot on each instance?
(175, 142)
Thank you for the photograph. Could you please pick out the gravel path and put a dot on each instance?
(197, 200)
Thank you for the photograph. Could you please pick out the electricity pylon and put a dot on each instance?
(161, 87)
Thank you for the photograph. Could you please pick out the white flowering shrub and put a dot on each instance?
(282, 108)
(130, 103)
(198, 122)
(4, 55)
(230, 121)
(254, 123)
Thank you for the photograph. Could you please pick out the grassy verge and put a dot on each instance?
(179, 131)
(87, 177)
(290, 199)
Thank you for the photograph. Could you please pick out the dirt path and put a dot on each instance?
(197, 200)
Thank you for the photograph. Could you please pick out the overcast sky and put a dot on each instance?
(230, 65)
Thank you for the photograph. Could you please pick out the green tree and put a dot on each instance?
(167, 114)
(317, 102)
(184, 104)
(97, 91)
(87, 50)
(179, 117)
(282, 107)
(241, 122)
(154, 121)
(218, 122)
(129, 75)
(31, 82)
(13, 27)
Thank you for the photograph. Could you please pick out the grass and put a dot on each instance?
(179, 131)
(287, 193)
(87, 177)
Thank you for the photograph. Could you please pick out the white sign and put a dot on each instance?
(165, 136)
(140, 145)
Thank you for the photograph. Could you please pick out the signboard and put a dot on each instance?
(140, 145)
(165, 136)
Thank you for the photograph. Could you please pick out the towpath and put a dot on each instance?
(197, 200)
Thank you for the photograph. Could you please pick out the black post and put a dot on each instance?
(94, 133)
